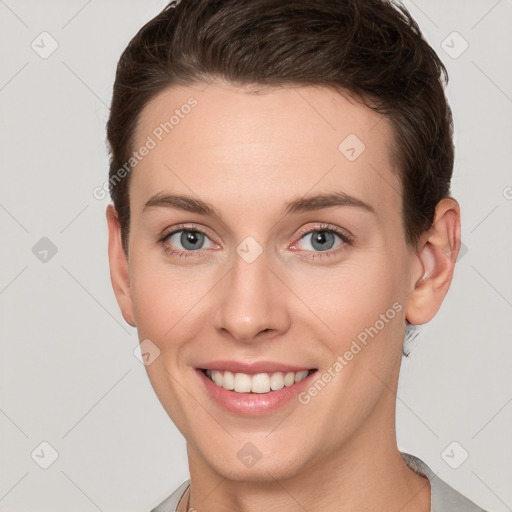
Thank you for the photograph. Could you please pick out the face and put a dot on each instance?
(287, 256)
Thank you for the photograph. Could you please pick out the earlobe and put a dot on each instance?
(118, 260)
(437, 254)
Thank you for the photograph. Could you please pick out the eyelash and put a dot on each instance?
(344, 236)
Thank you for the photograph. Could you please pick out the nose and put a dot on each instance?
(252, 301)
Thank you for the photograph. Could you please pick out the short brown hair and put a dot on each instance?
(372, 49)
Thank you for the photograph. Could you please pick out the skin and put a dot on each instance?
(248, 154)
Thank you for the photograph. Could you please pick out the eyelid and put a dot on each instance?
(344, 234)
(184, 227)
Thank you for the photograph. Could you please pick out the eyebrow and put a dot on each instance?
(325, 200)
(301, 204)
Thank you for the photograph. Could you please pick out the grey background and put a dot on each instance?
(68, 374)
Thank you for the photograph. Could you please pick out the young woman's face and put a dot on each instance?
(258, 286)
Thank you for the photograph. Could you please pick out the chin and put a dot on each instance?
(260, 472)
(275, 461)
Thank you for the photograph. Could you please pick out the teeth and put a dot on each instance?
(301, 375)
(242, 382)
(289, 379)
(228, 381)
(259, 383)
(277, 381)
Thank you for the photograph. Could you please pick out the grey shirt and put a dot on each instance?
(443, 497)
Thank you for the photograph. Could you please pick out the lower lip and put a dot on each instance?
(253, 404)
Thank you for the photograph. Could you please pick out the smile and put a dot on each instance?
(256, 393)
(258, 383)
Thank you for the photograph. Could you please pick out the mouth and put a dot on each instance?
(259, 383)
(254, 394)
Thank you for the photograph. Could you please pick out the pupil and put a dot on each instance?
(191, 239)
(323, 238)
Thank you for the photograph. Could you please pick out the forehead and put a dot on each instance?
(220, 141)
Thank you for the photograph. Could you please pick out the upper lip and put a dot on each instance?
(253, 368)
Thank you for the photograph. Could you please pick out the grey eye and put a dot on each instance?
(189, 240)
(320, 240)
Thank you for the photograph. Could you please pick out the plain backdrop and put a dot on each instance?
(68, 374)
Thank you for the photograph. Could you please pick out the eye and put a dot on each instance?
(182, 241)
(188, 241)
(323, 238)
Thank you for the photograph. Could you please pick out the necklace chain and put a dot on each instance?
(188, 500)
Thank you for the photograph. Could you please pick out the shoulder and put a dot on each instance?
(171, 502)
(443, 497)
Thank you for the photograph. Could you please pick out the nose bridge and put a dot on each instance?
(252, 300)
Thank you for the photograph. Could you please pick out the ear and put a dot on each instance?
(436, 256)
(118, 259)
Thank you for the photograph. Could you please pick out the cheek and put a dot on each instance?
(162, 296)
(165, 302)
(362, 305)
(352, 297)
